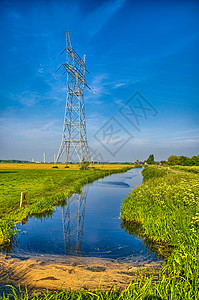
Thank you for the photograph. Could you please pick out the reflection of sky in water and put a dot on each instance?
(89, 224)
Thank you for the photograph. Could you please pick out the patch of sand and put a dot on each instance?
(69, 272)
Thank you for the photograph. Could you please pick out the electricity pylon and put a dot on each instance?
(73, 214)
(74, 138)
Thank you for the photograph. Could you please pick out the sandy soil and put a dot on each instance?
(69, 272)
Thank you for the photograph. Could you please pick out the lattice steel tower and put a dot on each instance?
(74, 138)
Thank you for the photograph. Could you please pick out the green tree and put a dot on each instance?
(195, 160)
(186, 161)
(84, 165)
(150, 160)
(173, 160)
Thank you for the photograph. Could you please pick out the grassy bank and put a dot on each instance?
(167, 210)
(46, 188)
(166, 207)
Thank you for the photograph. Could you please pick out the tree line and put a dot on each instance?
(183, 160)
(175, 160)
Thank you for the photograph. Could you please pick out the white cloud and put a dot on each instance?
(99, 88)
(27, 98)
(117, 85)
(34, 130)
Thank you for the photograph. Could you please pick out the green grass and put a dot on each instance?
(46, 189)
(136, 290)
(166, 207)
(192, 169)
(142, 288)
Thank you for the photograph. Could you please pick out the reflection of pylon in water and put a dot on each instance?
(73, 222)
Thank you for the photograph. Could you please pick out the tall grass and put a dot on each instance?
(142, 288)
(192, 169)
(167, 207)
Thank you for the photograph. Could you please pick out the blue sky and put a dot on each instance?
(144, 48)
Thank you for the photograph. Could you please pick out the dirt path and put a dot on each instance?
(172, 170)
(176, 171)
(70, 272)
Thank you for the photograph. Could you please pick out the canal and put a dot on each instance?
(87, 225)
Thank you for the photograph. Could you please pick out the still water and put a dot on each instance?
(88, 225)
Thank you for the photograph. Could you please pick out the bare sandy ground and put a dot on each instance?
(70, 272)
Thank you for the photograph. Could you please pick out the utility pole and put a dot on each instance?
(74, 138)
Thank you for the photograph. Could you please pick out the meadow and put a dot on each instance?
(46, 187)
(192, 169)
(166, 208)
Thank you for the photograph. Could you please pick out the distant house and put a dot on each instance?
(137, 162)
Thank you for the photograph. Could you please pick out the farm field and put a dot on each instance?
(49, 166)
(46, 188)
